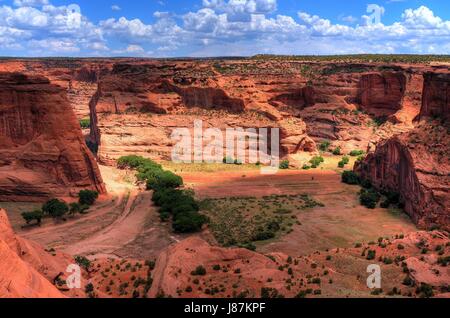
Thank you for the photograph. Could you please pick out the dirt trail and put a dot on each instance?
(118, 226)
(120, 233)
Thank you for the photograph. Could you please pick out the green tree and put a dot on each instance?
(35, 215)
(55, 208)
(350, 177)
(87, 197)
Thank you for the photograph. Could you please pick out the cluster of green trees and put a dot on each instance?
(175, 203)
(369, 196)
(57, 209)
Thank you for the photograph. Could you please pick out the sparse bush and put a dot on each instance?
(199, 271)
(316, 161)
(284, 165)
(324, 146)
(425, 291)
(83, 262)
(371, 254)
(85, 123)
(356, 153)
(337, 151)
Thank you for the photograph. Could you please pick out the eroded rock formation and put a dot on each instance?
(382, 93)
(43, 151)
(25, 268)
(436, 96)
(416, 163)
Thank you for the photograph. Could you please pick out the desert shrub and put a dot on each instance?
(228, 160)
(369, 198)
(341, 164)
(337, 151)
(306, 167)
(350, 177)
(301, 294)
(85, 123)
(408, 281)
(425, 291)
(284, 165)
(356, 153)
(371, 254)
(444, 261)
(316, 161)
(35, 215)
(89, 288)
(87, 197)
(199, 271)
(345, 160)
(83, 262)
(360, 158)
(55, 208)
(267, 293)
(324, 146)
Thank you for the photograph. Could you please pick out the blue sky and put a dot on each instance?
(169, 28)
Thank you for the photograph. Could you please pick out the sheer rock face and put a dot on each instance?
(416, 163)
(382, 93)
(436, 96)
(137, 106)
(43, 151)
(25, 268)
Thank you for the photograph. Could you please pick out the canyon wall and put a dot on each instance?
(416, 164)
(136, 108)
(43, 151)
(436, 96)
(382, 93)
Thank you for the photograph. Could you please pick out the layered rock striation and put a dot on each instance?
(43, 151)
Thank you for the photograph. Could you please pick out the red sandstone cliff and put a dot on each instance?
(25, 268)
(436, 96)
(416, 164)
(43, 151)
